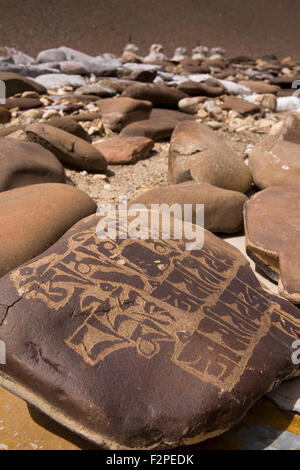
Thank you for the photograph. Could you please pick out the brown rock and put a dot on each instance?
(22, 103)
(198, 153)
(155, 129)
(259, 86)
(272, 226)
(124, 150)
(69, 125)
(16, 83)
(275, 162)
(5, 115)
(160, 96)
(35, 217)
(210, 87)
(223, 209)
(23, 163)
(118, 112)
(86, 116)
(239, 105)
(290, 130)
(90, 316)
(158, 113)
(7, 130)
(69, 149)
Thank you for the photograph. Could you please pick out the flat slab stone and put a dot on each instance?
(200, 318)
(25, 163)
(272, 237)
(198, 153)
(68, 148)
(125, 150)
(119, 112)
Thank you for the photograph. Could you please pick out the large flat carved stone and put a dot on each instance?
(140, 344)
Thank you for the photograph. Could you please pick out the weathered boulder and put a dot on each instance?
(92, 315)
(118, 112)
(24, 163)
(16, 83)
(160, 96)
(124, 150)
(223, 209)
(198, 153)
(69, 149)
(35, 217)
(272, 227)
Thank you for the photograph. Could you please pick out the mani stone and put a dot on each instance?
(117, 113)
(35, 217)
(223, 209)
(272, 224)
(69, 149)
(15, 83)
(140, 344)
(198, 153)
(25, 163)
(125, 150)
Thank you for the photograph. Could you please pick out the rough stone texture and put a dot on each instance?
(160, 96)
(156, 129)
(275, 162)
(153, 306)
(35, 217)
(198, 153)
(69, 149)
(16, 83)
(24, 163)
(124, 150)
(5, 115)
(210, 87)
(272, 224)
(260, 86)
(223, 209)
(22, 103)
(68, 124)
(119, 112)
(239, 105)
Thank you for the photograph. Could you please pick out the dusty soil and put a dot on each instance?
(252, 27)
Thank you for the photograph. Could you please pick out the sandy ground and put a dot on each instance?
(95, 26)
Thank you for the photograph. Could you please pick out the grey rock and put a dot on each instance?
(58, 80)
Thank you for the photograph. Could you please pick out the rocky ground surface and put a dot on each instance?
(202, 129)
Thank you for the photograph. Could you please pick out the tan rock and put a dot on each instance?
(272, 224)
(35, 217)
(122, 150)
(117, 113)
(259, 86)
(69, 149)
(24, 163)
(198, 153)
(223, 209)
(275, 162)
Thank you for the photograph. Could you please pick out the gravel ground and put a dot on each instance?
(125, 180)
